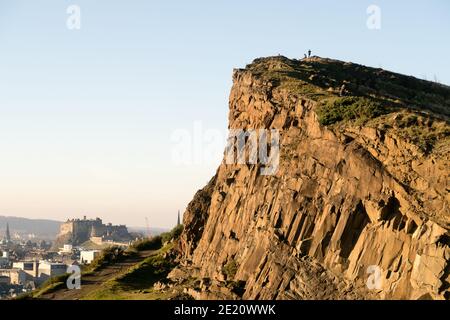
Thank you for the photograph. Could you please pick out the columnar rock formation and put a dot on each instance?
(350, 198)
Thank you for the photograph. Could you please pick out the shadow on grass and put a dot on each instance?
(146, 273)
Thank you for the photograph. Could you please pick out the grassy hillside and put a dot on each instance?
(121, 274)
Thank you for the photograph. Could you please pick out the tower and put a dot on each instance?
(178, 220)
(94, 232)
(7, 235)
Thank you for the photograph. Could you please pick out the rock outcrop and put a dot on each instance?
(358, 208)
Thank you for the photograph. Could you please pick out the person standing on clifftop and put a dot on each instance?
(309, 53)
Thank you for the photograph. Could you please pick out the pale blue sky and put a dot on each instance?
(86, 115)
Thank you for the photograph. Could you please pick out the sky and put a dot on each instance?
(90, 118)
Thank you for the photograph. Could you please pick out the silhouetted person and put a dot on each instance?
(309, 53)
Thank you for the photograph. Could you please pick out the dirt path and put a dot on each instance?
(92, 281)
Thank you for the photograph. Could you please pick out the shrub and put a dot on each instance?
(230, 269)
(153, 243)
(351, 108)
(108, 256)
(172, 234)
(237, 287)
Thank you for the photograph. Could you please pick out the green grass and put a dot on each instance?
(141, 276)
(286, 75)
(369, 92)
(51, 285)
(147, 272)
(138, 281)
(50, 288)
(153, 243)
(361, 109)
(114, 291)
(107, 257)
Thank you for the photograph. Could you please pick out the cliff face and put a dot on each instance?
(358, 207)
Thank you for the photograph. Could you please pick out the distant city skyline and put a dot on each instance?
(5, 224)
(87, 115)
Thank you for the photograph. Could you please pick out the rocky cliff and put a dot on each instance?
(358, 205)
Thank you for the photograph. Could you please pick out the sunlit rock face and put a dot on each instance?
(357, 208)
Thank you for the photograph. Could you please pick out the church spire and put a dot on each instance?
(7, 235)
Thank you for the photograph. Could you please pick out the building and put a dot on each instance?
(5, 280)
(30, 268)
(4, 260)
(4, 263)
(78, 231)
(97, 240)
(87, 256)
(15, 276)
(49, 269)
(39, 271)
(6, 241)
(67, 248)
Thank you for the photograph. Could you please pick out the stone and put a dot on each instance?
(347, 201)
